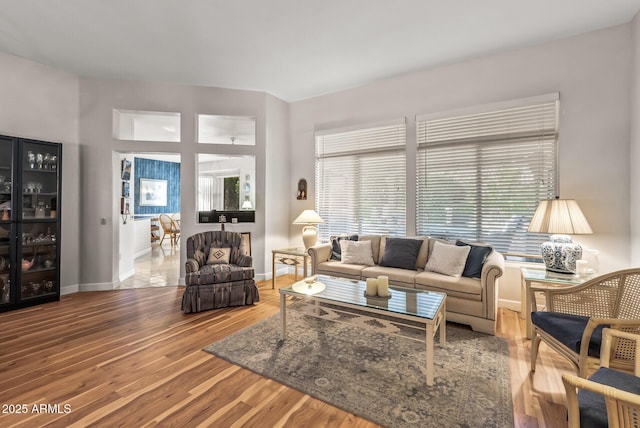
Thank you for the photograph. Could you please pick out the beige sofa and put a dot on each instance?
(470, 301)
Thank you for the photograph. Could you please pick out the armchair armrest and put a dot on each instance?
(191, 265)
(609, 337)
(245, 261)
(319, 253)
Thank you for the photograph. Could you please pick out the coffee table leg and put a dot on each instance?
(430, 354)
(283, 316)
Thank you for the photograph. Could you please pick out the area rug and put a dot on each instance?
(378, 372)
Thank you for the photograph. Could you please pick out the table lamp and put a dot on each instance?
(560, 217)
(309, 232)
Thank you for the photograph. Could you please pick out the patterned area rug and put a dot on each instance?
(378, 372)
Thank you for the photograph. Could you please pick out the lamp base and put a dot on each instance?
(560, 254)
(309, 236)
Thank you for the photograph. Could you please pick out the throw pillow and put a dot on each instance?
(357, 252)
(475, 260)
(447, 259)
(218, 255)
(401, 253)
(336, 252)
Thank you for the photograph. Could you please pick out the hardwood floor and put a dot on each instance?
(130, 358)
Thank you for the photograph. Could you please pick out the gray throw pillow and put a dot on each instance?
(401, 253)
(336, 253)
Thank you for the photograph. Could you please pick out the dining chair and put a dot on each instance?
(170, 228)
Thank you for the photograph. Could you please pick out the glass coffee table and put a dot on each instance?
(425, 307)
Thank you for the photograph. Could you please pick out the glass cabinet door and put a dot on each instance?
(6, 226)
(38, 262)
(39, 181)
(5, 263)
(38, 226)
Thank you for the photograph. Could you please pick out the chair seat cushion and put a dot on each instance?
(568, 329)
(593, 411)
(220, 272)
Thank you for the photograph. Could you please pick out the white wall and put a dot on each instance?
(277, 190)
(97, 99)
(41, 102)
(592, 74)
(634, 157)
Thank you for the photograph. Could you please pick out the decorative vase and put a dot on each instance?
(560, 254)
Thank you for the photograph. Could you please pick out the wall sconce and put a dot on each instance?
(302, 190)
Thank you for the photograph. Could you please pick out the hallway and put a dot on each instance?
(158, 268)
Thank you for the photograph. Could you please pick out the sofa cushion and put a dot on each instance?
(475, 260)
(447, 259)
(336, 268)
(401, 253)
(466, 288)
(336, 253)
(357, 252)
(218, 255)
(397, 276)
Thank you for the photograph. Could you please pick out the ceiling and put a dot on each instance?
(293, 49)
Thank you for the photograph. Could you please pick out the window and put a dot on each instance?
(138, 125)
(361, 180)
(480, 175)
(226, 182)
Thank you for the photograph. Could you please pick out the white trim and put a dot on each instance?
(69, 289)
(98, 286)
(514, 305)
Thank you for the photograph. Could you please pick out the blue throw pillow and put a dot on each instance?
(475, 260)
(336, 253)
(401, 253)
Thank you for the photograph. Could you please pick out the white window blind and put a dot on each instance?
(361, 180)
(480, 176)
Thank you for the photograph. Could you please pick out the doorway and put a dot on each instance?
(145, 259)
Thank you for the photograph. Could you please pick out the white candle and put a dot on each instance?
(383, 286)
(372, 286)
(581, 267)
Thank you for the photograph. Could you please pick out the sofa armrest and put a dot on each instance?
(492, 269)
(319, 253)
(191, 265)
(245, 261)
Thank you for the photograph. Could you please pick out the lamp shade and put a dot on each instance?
(559, 216)
(308, 217)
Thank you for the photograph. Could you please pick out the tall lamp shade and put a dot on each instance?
(309, 232)
(560, 217)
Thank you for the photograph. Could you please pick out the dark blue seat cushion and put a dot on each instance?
(568, 329)
(593, 411)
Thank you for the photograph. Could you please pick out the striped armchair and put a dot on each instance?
(218, 273)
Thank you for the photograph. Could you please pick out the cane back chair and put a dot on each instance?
(575, 316)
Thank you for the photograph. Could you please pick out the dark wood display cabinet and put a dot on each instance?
(30, 181)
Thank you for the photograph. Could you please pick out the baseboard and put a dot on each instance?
(142, 253)
(69, 289)
(514, 305)
(98, 286)
(127, 274)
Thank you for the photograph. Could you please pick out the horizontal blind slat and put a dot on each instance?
(480, 177)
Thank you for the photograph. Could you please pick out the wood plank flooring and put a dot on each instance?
(130, 358)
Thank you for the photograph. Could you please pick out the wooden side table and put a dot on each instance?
(293, 256)
(543, 278)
